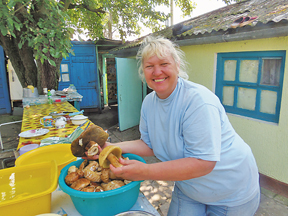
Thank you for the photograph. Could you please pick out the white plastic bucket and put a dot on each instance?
(28, 93)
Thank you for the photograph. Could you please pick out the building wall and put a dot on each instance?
(268, 141)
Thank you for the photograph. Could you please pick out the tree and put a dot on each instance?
(36, 34)
(35, 37)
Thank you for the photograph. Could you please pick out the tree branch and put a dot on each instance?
(84, 6)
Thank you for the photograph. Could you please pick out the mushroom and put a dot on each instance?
(89, 189)
(112, 185)
(93, 165)
(71, 177)
(127, 181)
(80, 173)
(99, 189)
(83, 164)
(110, 154)
(112, 176)
(92, 148)
(80, 184)
(92, 133)
(72, 169)
(92, 176)
(105, 175)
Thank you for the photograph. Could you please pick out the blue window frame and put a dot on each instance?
(250, 83)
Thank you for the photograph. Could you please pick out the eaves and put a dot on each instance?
(260, 31)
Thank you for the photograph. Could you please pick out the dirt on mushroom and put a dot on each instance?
(92, 133)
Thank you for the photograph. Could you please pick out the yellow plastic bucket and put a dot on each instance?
(26, 190)
(61, 153)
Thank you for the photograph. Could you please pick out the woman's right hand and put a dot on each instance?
(132, 170)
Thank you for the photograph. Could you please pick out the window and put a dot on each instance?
(64, 73)
(250, 83)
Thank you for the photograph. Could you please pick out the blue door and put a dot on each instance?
(5, 105)
(81, 70)
(129, 93)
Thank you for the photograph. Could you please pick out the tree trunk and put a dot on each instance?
(110, 22)
(21, 60)
(48, 74)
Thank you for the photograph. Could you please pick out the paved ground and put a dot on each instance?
(157, 192)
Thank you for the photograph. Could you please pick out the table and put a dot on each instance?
(33, 114)
(42, 99)
(61, 202)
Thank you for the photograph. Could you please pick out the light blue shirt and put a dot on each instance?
(192, 122)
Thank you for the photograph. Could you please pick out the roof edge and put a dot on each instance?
(278, 31)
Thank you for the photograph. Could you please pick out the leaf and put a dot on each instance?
(10, 21)
(3, 31)
(17, 26)
(20, 45)
(40, 24)
(51, 62)
(45, 50)
(11, 4)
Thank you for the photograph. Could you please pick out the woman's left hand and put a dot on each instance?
(132, 170)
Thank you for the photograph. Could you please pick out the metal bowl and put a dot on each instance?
(135, 213)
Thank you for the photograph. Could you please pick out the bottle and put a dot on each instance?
(50, 101)
(72, 88)
(45, 91)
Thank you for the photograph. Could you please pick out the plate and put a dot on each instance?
(33, 133)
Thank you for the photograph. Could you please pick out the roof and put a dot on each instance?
(103, 45)
(269, 19)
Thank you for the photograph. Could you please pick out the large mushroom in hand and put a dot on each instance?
(110, 154)
(93, 133)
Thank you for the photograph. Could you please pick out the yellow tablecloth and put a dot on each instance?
(33, 114)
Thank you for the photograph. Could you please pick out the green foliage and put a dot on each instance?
(127, 16)
(41, 24)
(185, 6)
(47, 25)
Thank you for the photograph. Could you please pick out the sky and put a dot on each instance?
(202, 7)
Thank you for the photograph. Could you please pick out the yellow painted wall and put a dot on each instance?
(268, 141)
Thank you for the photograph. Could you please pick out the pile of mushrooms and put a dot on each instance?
(93, 176)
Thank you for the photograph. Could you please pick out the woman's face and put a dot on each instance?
(161, 75)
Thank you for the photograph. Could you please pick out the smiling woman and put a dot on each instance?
(164, 52)
(161, 75)
(186, 127)
(161, 65)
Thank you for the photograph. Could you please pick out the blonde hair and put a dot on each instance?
(161, 47)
